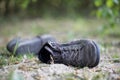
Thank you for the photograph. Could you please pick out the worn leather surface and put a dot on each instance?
(78, 53)
(19, 46)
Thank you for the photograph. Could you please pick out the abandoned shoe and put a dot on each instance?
(80, 53)
(25, 46)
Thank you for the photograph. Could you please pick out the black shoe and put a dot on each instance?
(25, 46)
(80, 53)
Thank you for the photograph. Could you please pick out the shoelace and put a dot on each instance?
(71, 53)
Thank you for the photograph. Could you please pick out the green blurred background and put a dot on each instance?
(64, 19)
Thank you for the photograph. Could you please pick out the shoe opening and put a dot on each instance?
(44, 54)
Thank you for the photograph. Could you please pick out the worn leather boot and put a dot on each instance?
(20, 46)
(80, 53)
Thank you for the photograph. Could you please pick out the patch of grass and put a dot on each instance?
(104, 31)
(116, 57)
(39, 30)
(100, 76)
(80, 27)
(3, 61)
(17, 59)
(4, 55)
(7, 58)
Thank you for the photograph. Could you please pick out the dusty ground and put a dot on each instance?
(30, 68)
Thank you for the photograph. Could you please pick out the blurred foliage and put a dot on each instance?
(109, 10)
(41, 7)
(106, 8)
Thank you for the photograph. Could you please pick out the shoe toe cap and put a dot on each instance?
(96, 55)
(11, 45)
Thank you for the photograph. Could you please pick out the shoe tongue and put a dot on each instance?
(49, 50)
(51, 54)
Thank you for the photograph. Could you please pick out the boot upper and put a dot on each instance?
(78, 53)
